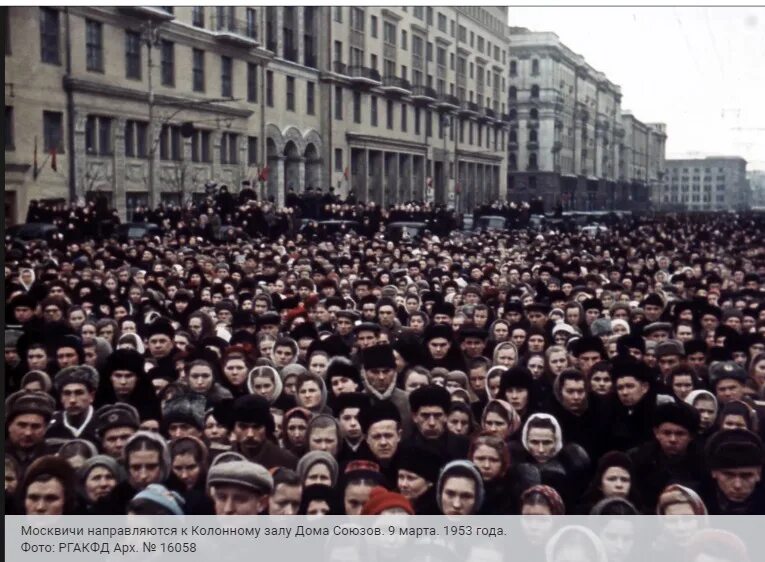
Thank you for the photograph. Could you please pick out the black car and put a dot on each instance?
(33, 231)
(397, 231)
(491, 222)
(129, 231)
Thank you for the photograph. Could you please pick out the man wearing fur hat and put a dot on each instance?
(379, 378)
(76, 388)
(735, 461)
(27, 415)
(430, 405)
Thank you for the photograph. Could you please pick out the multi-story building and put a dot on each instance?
(569, 142)
(714, 183)
(145, 104)
(757, 187)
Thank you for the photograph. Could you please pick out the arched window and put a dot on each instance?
(513, 135)
(534, 113)
(535, 67)
(533, 161)
(513, 161)
(535, 91)
(513, 93)
(533, 136)
(513, 114)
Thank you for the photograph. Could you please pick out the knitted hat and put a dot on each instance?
(378, 357)
(29, 402)
(677, 413)
(110, 463)
(381, 499)
(429, 395)
(734, 448)
(311, 458)
(158, 494)
(368, 470)
(244, 474)
(78, 374)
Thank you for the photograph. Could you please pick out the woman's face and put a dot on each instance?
(733, 421)
(493, 384)
(488, 462)
(186, 469)
(309, 395)
(536, 365)
(235, 371)
(283, 355)
(415, 381)
(506, 357)
(200, 378)
(682, 385)
(758, 372)
(99, 482)
(496, 424)
(536, 343)
(616, 482)
(318, 474)
(501, 331)
(215, 431)
(601, 383)
(318, 365)
(129, 327)
(296, 430)
(458, 423)
(88, 333)
(518, 398)
(558, 362)
(263, 386)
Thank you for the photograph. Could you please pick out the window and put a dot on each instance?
(136, 137)
(338, 159)
(98, 135)
(357, 19)
(373, 26)
(441, 22)
(226, 71)
(9, 141)
(338, 14)
(53, 131)
(357, 107)
(167, 55)
(533, 161)
(535, 91)
(94, 46)
(429, 18)
(480, 44)
(419, 13)
(373, 111)
(462, 33)
(198, 69)
(373, 61)
(472, 39)
(290, 93)
(338, 51)
(429, 52)
(441, 56)
(252, 23)
(200, 146)
(513, 68)
(403, 118)
(252, 82)
(390, 114)
(339, 103)
(512, 93)
(50, 36)
(451, 61)
(310, 98)
(403, 39)
(132, 55)
(451, 28)
(428, 124)
(269, 88)
(535, 67)
(417, 121)
(198, 16)
(389, 33)
(170, 143)
(252, 151)
(229, 148)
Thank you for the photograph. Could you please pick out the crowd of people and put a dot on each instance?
(494, 372)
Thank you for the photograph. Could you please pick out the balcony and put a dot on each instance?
(447, 102)
(153, 13)
(469, 108)
(423, 94)
(512, 145)
(507, 118)
(491, 114)
(233, 31)
(340, 68)
(364, 75)
(395, 85)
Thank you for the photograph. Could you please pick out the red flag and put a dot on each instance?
(346, 173)
(53, 159)
(263, 174)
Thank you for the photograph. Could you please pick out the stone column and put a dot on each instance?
(80, 154)
(215, 166)
(301, 174)
(276, 179)
(300, 10)
(118, 185)
(279, 32)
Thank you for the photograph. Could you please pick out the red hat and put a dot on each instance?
(381, 499)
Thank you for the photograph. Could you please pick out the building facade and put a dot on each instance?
(715, 183)
(757, 188)
(570, 143)
(145, 105)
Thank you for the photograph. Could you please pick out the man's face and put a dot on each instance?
(673, 439)
(26, 431)
(737, 484)
(235, 500)
(380, 378)
(76, 398)
(387, 315)
(114, 440)
(200, 378)
(176, 430)
(696, 360)
(587, 360)
(667, 363)
(45, 498)
(144, 468)
(366, 339)
(324, 439)
(369, 312)
(249, 435)
(728, 390)
(431, 421)
(344, 326)
(536, 319)
(285, 500)
(574, 396)
(349, 424)
(383, 439)
(23, 314)
(458, 496)
(160, 345)
(684, 333)
(473, 347)
(652, 312)
(67, 357)
(356, 495)
(438, 348)
(630, 391)
(37, 359)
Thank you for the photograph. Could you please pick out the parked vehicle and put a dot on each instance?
(33, 231)
(397, 231)
(137, 231)
(490, 222)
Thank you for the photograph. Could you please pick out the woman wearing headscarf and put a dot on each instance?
(96, 478)
(614, 478)
(189, 464)
(318, 467)
(295, 430)
(49, 488)
(491, 455)
(706, 405)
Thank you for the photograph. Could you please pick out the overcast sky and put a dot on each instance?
(699, 70)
